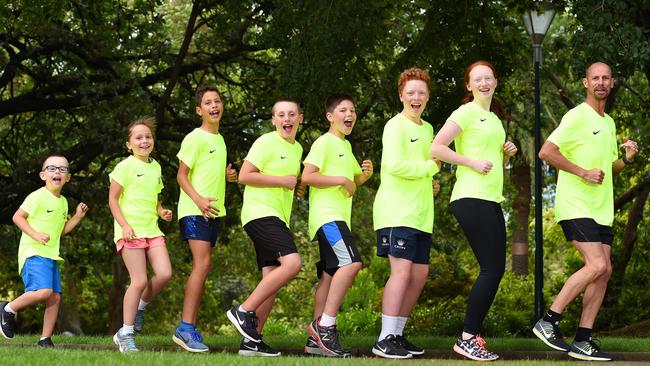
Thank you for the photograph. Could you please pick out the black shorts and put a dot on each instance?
(586, 230)
(336, 246)
(198, 228)
(404, 242)
(272, 239)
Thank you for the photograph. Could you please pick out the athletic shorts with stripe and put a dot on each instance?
(336, 246)
(272, 239)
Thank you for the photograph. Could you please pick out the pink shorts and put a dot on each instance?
(140, 243)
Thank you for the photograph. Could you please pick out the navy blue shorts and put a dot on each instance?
(272, 239)
(198, 228)
(336, 246)
(41, 273)
(586, 230)
(404, 242)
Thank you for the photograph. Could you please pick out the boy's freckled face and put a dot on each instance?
(211, 108)
(55, 179)
(414, 97)
(343, 118)
(286, 119)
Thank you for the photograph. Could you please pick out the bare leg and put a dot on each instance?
(320, 297)
(341, 282)
(201, 265)
(136, 263)
(595, 293)
(162, 269)
(51, 311)
(273, 280)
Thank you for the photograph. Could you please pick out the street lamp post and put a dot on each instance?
(537, 22)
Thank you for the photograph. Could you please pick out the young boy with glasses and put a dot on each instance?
(43, 219)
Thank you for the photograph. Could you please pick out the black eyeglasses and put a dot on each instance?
(53, 168)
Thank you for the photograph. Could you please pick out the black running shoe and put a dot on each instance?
(410, 347)
(328, 340)
(588, 351)
(312, 347)
(474, 349)
(7, 321)
(245, 322)
(550, 334)
(250, 348)
(46, 343)
(390, 347)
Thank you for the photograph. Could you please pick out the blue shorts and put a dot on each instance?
(404, 242)
(41, 273)
(336, 246)
(198, 228)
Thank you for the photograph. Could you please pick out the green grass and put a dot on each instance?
(161, 351)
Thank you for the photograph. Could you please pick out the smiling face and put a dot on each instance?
(211, 108)
(286, 119)
(482, 83)
(598, 81)
(140, 142)
(342, 118)
(52, 175)
(414, 97)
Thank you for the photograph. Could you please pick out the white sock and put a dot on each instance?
(9, 309)
(127, 329)
(326, 320)
(43, 338)
(401, 323)
(388, 326)
(142, 305)
(240, 308)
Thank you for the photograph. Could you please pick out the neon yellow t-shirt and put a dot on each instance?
(47, 214)
(482, 137)
(205, 154)
(588, 140)
(271, 155)
(333, 157)
(141, 183)
(405, 195)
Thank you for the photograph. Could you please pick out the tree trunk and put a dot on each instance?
(520, 177)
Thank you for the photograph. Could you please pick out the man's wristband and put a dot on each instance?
(627, 162)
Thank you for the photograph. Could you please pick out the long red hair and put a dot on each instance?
(496, 106)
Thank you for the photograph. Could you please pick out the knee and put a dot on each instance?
(164, 276)
(55, 298)
(293, 266)
(44, 294)
(598, 269)
(139, 283)
(355, 267)
(202, 265)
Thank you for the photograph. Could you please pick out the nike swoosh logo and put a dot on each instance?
(596, 132)
(283, 157)
(139, 175)
(413, 140)
(241, 322)
(382, 349)
(48, 211)
(341, 155)
(211, 151)
(251, 348)
(482, 119)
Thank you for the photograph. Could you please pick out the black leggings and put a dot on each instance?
(485, 229)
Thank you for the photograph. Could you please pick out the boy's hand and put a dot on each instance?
(436, 187)
(300, 189)
(81, 210)
(41, 237)
(231, 173)
(205, 205)
(509, 148)
(289, 181)
(127, 232)
(349, 187)
(165, 214)
(366, 169)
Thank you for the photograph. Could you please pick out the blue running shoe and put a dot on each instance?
(190, 340)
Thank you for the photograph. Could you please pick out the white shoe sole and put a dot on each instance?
(587, 358)
(180, 342)
(385, 355)
(543, 339)
(465, 354)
